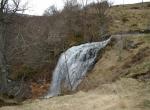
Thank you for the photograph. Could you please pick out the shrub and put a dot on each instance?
(148, 5)
(125, 19)
(26, 72)
(135, 7)
(134, 25)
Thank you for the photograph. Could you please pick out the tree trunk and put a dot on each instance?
(3, 62)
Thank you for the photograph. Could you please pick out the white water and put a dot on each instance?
(73, 66)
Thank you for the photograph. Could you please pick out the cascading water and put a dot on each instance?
(73, 66)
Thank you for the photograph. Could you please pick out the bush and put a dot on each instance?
(125, 19)
(135, 7)
(134, 25)
(26, 72)
(148, 5)
(75, 39)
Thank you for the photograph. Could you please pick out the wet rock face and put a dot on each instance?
(73, 66)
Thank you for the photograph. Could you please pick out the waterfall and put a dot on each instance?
(73, 66)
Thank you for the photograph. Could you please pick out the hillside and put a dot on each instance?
(130, 18)
(131, 60)
(121, 95)
(120, 79)
(35, 42)
(114, 83)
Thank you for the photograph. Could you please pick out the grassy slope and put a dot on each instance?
(130, 17)
(121, 95)
(117, 62)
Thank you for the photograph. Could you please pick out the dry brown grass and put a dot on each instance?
(126, 94)
(112, 64)
(130, 19)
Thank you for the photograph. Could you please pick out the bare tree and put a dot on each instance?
(52, 10)
(103, 18)
(84, 18)
(71, 16)
(95, 19)
(142, 3)
(8, 8)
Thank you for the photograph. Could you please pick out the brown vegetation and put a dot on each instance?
(36, 42)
